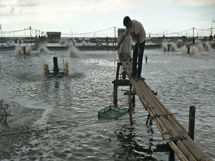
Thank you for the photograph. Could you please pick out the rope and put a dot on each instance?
(155, 115)
(150, 108)
(92, 32)
(171, 139)
(165, 134)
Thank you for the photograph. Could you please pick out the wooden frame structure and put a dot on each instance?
(177, 139)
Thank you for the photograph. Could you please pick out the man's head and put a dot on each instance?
(127, 22)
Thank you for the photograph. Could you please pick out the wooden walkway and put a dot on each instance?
(173, 133)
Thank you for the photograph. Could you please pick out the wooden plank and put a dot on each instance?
(162, 148)
(130, 93)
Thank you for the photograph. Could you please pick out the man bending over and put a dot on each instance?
(138, 34)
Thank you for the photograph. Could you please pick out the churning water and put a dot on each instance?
(56, 118)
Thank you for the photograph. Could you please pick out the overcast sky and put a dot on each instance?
(80, 16)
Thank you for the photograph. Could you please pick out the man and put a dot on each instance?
(138, 35)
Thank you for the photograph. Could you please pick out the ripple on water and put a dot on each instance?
(63, 112)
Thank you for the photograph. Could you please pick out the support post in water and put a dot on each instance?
(116, 84)
(56, 69)
(191, 127)
(150, 121)
(130, 109)
(114, 93)
(133, 96)
(171, 155)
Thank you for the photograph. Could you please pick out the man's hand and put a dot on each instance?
(116, 48)
(139, 51)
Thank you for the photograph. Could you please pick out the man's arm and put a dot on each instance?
(121, 40)
(138, 44)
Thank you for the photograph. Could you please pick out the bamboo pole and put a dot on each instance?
(170, 130)
(174, 130)
(157, 100)
(189, 142)
(161, 128)
(169, 124)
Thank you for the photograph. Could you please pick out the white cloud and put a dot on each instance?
(16, 6)
(12, 9)
(192, 14)
(77, 8)
(197, 3)
(27, 3)
(92, 15)
(92, 6)
(5, 3)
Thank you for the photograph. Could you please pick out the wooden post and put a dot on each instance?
(133, 97)
(130, 109)
(116, 84)
(114, 93)
(191, 122)
(171, 155)
(150, 121)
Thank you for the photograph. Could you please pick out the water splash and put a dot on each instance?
(164, 46)
(74, 52)
(207, 47)
(174, 46)
(42, 63)
(28, 50)
(194, 50)
(18, 51)
(74, 42)
(10, 43)
(62, 41)
(84, 43)
(179, 40)
(43, 49)
(184, 50)
(75, 66)
(201, 47)
(70, 43)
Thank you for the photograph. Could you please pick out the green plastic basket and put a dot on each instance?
(111, 112)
